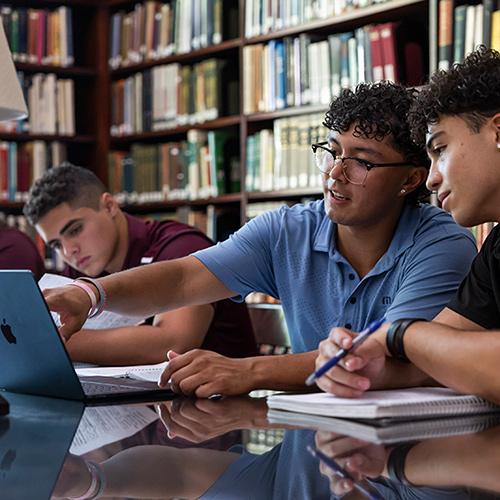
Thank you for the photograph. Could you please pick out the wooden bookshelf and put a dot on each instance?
(94, 78)
(380, 12)
(250, 123)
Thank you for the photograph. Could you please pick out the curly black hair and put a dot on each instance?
(66, 183)
(470, 89)
(379, 110)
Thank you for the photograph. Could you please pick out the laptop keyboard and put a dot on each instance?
(100, 388)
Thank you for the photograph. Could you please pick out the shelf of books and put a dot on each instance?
(193, 107)
(175, 111)
(255, 76)
(57, 70)
(55, 80)
(459, 27)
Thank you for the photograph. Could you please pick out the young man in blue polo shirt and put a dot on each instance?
(458, 117)
(367, 249)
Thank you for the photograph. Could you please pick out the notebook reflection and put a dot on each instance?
(461, 466)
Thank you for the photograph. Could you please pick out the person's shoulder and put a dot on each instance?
(313, 210)
(435, 221)
(169, 239)
(298, 218)
(15, 237)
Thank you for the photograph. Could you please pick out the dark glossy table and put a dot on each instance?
(225, 450)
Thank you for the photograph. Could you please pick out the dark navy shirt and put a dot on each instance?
(478, 297)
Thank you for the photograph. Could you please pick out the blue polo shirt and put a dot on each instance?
(291, 254)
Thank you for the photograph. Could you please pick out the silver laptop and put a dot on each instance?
(33, 359)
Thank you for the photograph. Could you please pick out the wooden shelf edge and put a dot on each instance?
(188, 56)
(285, 194)
(83, 139)
(172, 204)
(225, 121)
(283, 113)
(74, 71)
(13, 205)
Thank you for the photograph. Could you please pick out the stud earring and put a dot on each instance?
(498, 145)
(403, 191)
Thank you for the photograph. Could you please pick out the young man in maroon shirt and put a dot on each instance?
(73, 213)
(17, 251)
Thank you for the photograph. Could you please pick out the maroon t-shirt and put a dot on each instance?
(230, 332)
(17, 251)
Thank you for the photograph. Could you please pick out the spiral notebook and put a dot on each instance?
(420, 402)
(389, 430)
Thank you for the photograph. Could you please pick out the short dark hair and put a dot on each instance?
(470, 90)
(379, 110)
(67, 183)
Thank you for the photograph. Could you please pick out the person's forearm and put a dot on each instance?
(162, 286)
(134, 345)
(442, 462)
(464, 361)
(397, 375)
(286, 372)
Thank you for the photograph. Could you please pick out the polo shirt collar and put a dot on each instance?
(323, 237)
(404, 236)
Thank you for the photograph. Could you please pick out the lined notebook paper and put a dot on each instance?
(390, 431)
(419, 402)
(149, 373)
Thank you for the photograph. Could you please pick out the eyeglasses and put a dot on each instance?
(355, 170)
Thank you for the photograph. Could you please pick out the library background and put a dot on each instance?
(203, 111)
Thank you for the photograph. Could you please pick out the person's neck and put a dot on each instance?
(363, 246)
(121, 249)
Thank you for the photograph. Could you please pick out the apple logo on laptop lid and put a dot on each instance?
(7, 332)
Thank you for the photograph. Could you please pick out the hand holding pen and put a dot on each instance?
(336, 470)
(342, 353)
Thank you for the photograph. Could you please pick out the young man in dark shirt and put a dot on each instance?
(72, 211)
(457, 116)
(17, 251)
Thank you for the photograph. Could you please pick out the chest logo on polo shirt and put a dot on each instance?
(386, 300)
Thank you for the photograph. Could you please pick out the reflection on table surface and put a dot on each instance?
(229, 450)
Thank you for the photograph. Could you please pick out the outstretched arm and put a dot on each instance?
(142, 291)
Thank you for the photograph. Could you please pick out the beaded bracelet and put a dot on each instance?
(394, 338)
(101, 303)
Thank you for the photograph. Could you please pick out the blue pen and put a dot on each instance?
(362, 336)
(339, 471)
